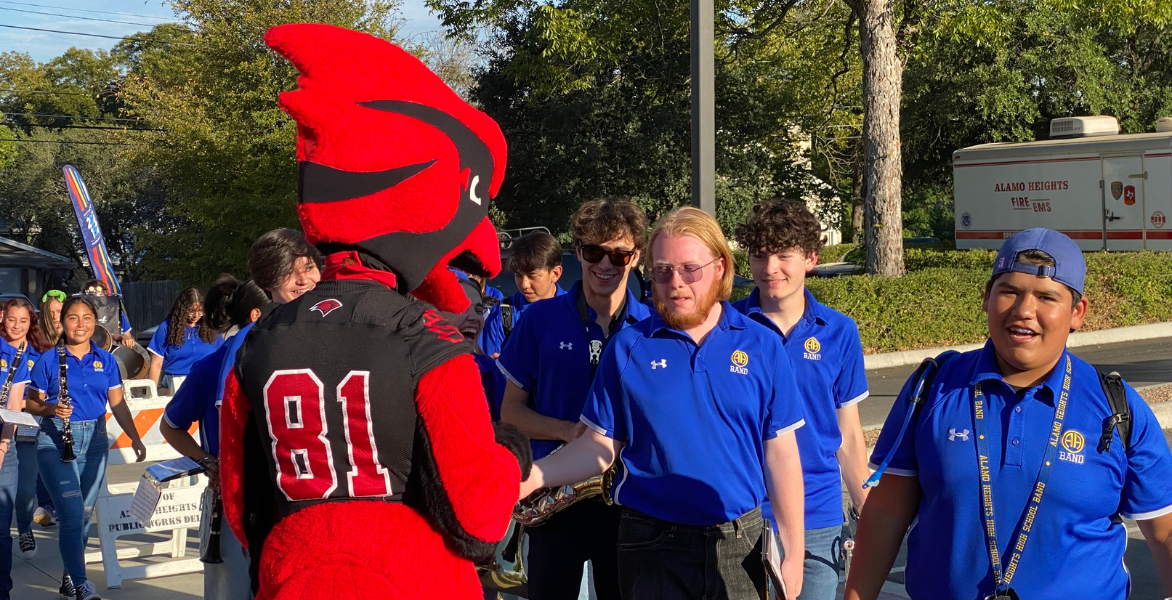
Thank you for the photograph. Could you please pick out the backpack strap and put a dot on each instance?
(922, 381)
(1120, 412)
(507, 319)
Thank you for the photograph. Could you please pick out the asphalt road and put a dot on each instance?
(1141, 364)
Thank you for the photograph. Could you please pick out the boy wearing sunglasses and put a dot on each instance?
(549, 361)
(700, 406)
(783, 240)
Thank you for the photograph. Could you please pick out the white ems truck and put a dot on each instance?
(1104, 190)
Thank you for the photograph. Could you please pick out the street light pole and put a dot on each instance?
(703, 34)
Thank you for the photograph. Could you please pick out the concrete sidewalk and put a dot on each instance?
(41, 576)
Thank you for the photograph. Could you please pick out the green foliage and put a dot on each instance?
(593, 96)
(1000, 71)
(226, 148)
(938, 302)
(836, 253)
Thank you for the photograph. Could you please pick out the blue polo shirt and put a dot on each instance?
(492, 339)
(493, 382)
(228, 361)
(90, 380)
(548, 355)
(19, 370)
(694, 419)
(1076, 544)
(827, 358)
(177, 360)
(196, 400)
(30, 360)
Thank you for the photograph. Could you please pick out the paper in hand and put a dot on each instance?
(146, 498)
(771, 556)
(173, 469)
(18, 418)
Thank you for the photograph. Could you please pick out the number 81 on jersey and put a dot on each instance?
(295, 404)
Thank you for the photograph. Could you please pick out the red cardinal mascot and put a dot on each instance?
(359, 459)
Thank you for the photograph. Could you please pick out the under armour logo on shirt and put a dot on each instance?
(662, 363)
(566, 345)
(953, 434)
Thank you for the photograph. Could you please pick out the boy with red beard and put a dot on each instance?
(698, 402)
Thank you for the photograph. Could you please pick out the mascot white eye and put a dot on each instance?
(472, 189)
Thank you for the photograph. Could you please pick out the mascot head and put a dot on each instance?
(393, 164)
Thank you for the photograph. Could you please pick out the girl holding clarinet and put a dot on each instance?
(20, 329)
(72, 385)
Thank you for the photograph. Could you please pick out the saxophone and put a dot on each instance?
(538, 507)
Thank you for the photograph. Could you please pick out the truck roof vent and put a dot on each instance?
(1075, 127)
(1164, 125)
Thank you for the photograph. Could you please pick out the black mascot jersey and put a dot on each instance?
(332, 376)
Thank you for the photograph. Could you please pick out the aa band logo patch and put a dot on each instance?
(813, 347)
(740, 359)
(1073, 443)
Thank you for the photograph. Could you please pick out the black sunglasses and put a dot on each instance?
(592, 254)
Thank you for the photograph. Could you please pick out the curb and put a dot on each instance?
(1083, 338)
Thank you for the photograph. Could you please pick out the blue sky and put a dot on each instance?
(139, 15)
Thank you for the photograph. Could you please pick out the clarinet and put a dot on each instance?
(67, 454)
(211, 554)
(7, 389)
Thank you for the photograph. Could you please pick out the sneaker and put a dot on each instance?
(67, 591)
(28, 545)
(44, 518)
(87, 591)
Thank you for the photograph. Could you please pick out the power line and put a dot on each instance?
(109, 37)
(63, 142)
(101, 12)
(48, 116)
(89, 127)
(37, 12)
(9, 91)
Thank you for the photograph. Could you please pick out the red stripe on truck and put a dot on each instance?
(1026, 162)
(1124, 234)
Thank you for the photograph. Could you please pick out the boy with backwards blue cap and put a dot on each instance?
(1012, 496)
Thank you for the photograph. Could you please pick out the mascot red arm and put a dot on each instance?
(396, 173)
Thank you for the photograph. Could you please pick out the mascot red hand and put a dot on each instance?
(359, 459)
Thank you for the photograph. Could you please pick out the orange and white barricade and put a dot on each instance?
(179, 509)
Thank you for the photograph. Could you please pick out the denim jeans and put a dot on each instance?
(820, 575)
(8, 478)
(73, 485)
(26, 487)
(667, 561)
(228, 580)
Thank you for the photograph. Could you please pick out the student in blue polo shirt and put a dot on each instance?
(231, 307)
(180, 340)
(21, 330)
(783, 240)
(550, 360)
(93, 383)
(15, 373)
(1014, 493)
(700, 406)
(536, 263)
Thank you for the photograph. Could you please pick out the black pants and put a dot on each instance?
(558, 549)
(666, 561)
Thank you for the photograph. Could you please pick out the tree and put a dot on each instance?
(593, 97)
(226, 151)
(882, 161)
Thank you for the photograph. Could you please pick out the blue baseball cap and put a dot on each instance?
(1070, 268)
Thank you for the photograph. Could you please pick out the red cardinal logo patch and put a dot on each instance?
(326, 307)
